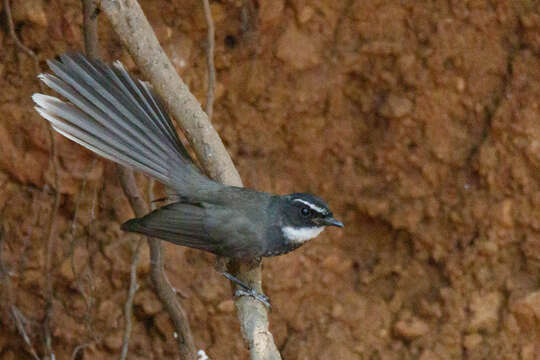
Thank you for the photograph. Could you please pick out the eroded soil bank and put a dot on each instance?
(418, 121)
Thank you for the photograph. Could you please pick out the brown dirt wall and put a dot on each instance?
(419, 121)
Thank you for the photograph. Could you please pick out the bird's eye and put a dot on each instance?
(305, 211)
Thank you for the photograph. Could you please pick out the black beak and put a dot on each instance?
(330, 221)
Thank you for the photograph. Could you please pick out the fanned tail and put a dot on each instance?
(117, 117)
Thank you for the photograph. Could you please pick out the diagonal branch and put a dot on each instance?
(132, 27)
(49, 284)
(90, 28)
(209, 108)
(7, 293)
(18, 42)
(164, 291)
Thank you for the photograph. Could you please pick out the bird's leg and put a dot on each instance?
(246, 290)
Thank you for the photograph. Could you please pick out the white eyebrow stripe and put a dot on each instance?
(312, 206)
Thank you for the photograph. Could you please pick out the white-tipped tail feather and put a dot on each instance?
(117, 117)
(62, 116)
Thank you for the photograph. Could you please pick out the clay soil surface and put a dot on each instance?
(418, 121)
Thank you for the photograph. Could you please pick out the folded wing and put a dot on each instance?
(179, 223)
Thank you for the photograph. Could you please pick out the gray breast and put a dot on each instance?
(282, 250)
(278, 245)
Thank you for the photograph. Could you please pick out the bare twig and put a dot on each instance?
(133, 287)
(250, 26)
(210, 60)
(94, 202)
(164, 291)
(131, 25)
(35, 210)
(18, 43)
(90, 28)
(19, 319)
(133, 28)
(79, 348)
(17, 316)
(88, 299)
(49, 291)
(50, 231)
(78, 203)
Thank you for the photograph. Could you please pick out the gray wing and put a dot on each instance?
(217, 229)
(241, 235)
(179, 223)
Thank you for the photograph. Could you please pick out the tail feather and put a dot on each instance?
(102, 123)
(106, 104)
(79, 127)
(117, 117)
(154, 107)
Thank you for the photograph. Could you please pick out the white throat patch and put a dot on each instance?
(302, 234)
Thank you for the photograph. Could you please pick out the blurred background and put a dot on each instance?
(418, 121)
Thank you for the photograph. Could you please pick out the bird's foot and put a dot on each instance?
(265, 300)
(247, 291)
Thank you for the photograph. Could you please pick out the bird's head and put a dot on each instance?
(305, 216)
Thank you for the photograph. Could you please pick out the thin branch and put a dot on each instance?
(18, 43)
(78, 203)
(133, 287)
(79, 348)
(49, 291)
(90, 28)
(164, 291)
(132, 27)
(17, 316)
(50, 231)
(19, 319)
(35, 206)
(88, 299)
(210, 60)
(94, 202)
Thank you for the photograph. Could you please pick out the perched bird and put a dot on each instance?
(124, 120)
